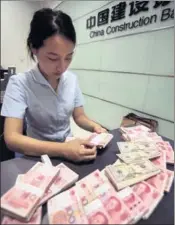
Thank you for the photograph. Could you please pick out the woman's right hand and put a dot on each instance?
(80, 150)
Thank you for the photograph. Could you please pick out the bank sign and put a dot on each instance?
(126, 17)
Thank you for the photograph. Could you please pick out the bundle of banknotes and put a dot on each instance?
(98, 140)
(123, 175)
(95, 199)
(92, 200)
(140, 138)
(22, 203)
(122, 193)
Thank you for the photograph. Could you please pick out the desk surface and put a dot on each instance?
(164, 213)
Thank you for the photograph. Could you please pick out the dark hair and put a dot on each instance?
(47, 22)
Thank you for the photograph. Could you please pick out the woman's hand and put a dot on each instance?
(80, 150)
(98, 129)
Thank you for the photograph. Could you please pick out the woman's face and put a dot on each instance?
(55, 56)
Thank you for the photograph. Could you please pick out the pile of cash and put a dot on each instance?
(142, 165)
(98, 140)
(122, 193)
(22, 203)
(92, 200)
(123, 175)
(139, 138)
(95, 199)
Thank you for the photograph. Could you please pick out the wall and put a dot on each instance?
(51, 4)
(15, 22)
(117, 76)
(121, 75)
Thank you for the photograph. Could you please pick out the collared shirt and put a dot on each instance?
(47, 113)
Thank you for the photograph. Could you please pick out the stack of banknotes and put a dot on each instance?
(92, 200)
(140, 138)
(98, 140)
(96, 200)
(22, 203)
(122, 193)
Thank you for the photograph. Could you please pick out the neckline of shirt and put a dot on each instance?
(39, 78)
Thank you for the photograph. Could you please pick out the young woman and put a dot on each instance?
(46, 96)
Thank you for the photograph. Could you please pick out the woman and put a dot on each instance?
(46, 96)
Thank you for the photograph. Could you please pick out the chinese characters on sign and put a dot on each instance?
(137, 7)
(118, 11)
(91, 22)
(161, 3)
(103, 17)
(124, 10)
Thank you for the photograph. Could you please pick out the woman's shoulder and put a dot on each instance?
(20, 78)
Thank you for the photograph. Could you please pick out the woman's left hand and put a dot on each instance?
(98, 129)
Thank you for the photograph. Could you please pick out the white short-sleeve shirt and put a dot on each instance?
(47, 114)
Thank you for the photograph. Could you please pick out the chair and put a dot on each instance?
(5, 153)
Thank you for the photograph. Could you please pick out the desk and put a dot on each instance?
(164, 213)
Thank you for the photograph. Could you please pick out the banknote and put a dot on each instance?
(165, 146)
(159, 181)
(141, 137)
(95, 179)
(135, 129)
(132, 146)
(46, 159)
(113, 204)
(105, 178)
(100, 140)
(170, 180)
(35, 219)
(125, 137)
(124, 175)
(149, 195)
(65, 179)
(96, 213)
(118, 162)
(85, 192)
(41, 175)
(133, 202)
(65, 208)
(160, 161)
(19, 179)
(88, 184)
(20, 201)
(109, 172)
(138, 155)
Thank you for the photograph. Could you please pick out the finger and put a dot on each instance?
(87, 143)
(89, 151)
(98, 131)
(105, 131)
(89, 157)
(81, 140)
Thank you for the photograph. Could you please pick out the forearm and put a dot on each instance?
(30, 146)
(85, 123)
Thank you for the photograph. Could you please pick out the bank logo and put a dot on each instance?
(125, 9)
